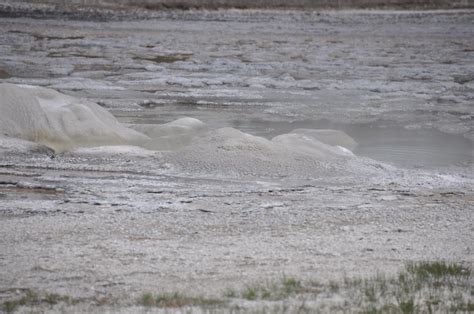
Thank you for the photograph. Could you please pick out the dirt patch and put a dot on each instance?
(38, 36)
(4, 74)
(165, 58)
(77, 55)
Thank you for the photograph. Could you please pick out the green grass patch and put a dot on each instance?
(407, 306)
(33, 298)
(273, 291)
(421, 287)
(176, 300)
(290, 285)
(463, 307)
(334, 286)
(437, 270)
(251, 293)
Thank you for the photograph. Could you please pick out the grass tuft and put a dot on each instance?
(334, 286)
(250, 293)
(32, 298)
(147, 299)
(274, 291)
(176, 300)
(407, 307)
(54, 298)
(290, 285)
(10, 306)
(230, 293)
(437, 270)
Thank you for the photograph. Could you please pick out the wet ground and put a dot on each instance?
(400, 83)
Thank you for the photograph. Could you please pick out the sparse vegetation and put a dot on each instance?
(32, 298)
(147, 299)
(273, 291)
(422, 287)
(53, 298)
(437, 270)
(290, 284)
(176, 300)
(251, 293)
(408, 306)
(230, 293)
(426, 287)
(334, 286)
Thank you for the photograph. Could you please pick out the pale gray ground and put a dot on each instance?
(399, 83)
